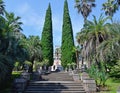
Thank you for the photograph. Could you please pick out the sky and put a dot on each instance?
(32, 13)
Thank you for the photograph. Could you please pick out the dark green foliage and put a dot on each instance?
(67, 38)
(10, 48)
(47, 38)
(115, 70)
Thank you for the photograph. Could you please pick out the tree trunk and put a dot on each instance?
(31, 66)
(82, 60)
(77, 59)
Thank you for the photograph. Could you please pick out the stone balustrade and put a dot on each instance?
(20, 84)
(89, 85)
(76, 77)
(84, 75)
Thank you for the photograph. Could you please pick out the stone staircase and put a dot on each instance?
(55, 83)
(59, 76)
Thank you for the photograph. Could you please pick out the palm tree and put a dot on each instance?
(9, 26)
(84, 7)
(109, 50)
(10, 48)
(93, 34)
(10, 51)
(7, 41)
(2, 7)
(33, 46)
(13, 22)
(77, 51)
(110, 7)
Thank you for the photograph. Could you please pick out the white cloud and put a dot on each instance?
(33, 19)
(23, 8)
(30, 18)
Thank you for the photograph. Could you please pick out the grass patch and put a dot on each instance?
(112, 85)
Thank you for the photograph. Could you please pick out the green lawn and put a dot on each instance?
(112, 85)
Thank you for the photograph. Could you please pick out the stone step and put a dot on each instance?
(55, 87)
(48, 89)
(32, 81)
(55, 83)
(55, 79)
(54, 92)
(57, 76)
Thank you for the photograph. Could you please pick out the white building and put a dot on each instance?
(57, 59)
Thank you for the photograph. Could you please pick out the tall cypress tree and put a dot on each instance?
(47, 37)
(67, 38)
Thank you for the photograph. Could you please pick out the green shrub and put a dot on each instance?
(115, 70)
(99, 74)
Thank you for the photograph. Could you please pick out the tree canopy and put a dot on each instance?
(47, 37)
(67, 56)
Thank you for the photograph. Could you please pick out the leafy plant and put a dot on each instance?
(39, 63)
(16, 66)
(115, 70)
(28, 63)
(45, 62)
(98, 73)
(69, 66)
(73, 64)
(93, 73)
